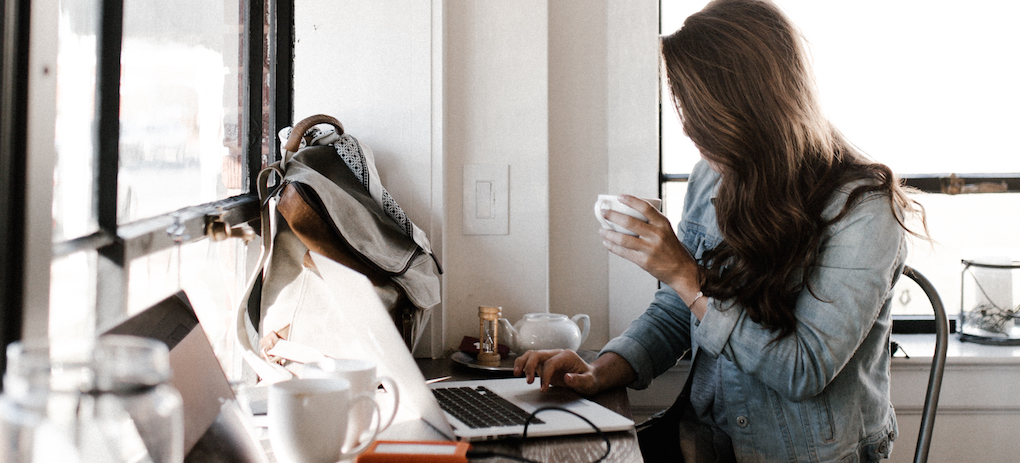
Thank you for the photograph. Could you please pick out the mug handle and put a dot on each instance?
(584, 322)
(373, 427)
(598, 213)
(391, 388)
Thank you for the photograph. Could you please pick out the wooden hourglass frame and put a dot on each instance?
(488, 335)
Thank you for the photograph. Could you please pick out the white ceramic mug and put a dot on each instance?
(363, 379)
(309, 420)
(612, 202)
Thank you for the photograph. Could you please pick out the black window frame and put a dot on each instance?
(117, 245)
(14, 28)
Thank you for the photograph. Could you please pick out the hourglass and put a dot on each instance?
(488, 335)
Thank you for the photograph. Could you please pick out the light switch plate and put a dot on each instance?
(486, 199)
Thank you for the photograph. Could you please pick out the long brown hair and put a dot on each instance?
(740, 80)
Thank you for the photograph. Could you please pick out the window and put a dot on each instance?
(161, 115)
(924, 101)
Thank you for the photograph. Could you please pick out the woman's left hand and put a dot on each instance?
(656, 249)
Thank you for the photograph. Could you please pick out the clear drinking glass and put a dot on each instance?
(133, 374)
(40, 390)
(104, 400)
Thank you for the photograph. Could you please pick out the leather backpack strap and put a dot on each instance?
(294, 141)
(243, 326)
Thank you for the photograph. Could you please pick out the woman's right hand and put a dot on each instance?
(269, 341)
(656, 249)
(558, 367)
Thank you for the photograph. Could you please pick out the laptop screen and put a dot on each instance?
(211, 413)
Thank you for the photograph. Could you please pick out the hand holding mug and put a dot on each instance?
(613, 203)
(657, 250)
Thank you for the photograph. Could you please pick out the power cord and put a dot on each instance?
(524, 436)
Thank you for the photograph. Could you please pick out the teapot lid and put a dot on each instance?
(544, 317)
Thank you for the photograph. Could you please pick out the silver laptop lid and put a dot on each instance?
(363, 322)
(214, 427)
(369, 334)
(529, 398)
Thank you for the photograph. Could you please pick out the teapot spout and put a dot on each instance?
(508, 334)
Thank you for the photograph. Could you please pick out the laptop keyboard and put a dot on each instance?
(480, 407)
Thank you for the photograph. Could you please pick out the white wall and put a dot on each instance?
(603, 108)
(633, 155)
(362, 62)
(370, 65)
(497, 91)
(564, 93)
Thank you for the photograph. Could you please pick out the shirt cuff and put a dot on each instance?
(636, 355)
(715, 328)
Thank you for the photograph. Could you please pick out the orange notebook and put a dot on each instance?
(414, 452)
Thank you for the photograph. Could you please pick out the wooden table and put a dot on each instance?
(581, 448)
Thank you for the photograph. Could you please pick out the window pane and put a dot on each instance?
(73, 296)
(181, 132)
(73, 214)
(899, 86)
(961, 226)
(678, 153)
(211, 273)
(974, 226)
(673, 200)
(930, 87)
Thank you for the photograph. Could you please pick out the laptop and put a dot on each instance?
(371, 335)
(215, 427)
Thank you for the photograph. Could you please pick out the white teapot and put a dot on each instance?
(545, 331)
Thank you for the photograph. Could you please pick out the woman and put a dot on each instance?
(780, 281)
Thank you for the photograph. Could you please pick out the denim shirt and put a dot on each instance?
(819, 394)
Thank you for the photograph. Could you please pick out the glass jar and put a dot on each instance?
(133, 374)
(40, 390)
(990, 301)
(109, 399)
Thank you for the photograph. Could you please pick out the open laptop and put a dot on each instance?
(215, 427)
(371, 335)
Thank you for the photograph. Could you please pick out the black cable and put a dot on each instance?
(598, 431)
(524, 435)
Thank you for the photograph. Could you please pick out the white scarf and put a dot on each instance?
(361, 161)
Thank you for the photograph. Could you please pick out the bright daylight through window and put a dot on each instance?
(181, 144)
(924, 87)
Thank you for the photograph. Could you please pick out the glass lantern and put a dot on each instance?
(990, 301)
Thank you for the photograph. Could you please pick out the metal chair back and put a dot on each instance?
(938, 365)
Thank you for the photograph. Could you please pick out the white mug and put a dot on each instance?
(309, 418)
(612, 202)
(363, 379)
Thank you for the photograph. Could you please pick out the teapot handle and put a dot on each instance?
(584, 323)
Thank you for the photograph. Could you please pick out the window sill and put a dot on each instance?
(920, 348)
